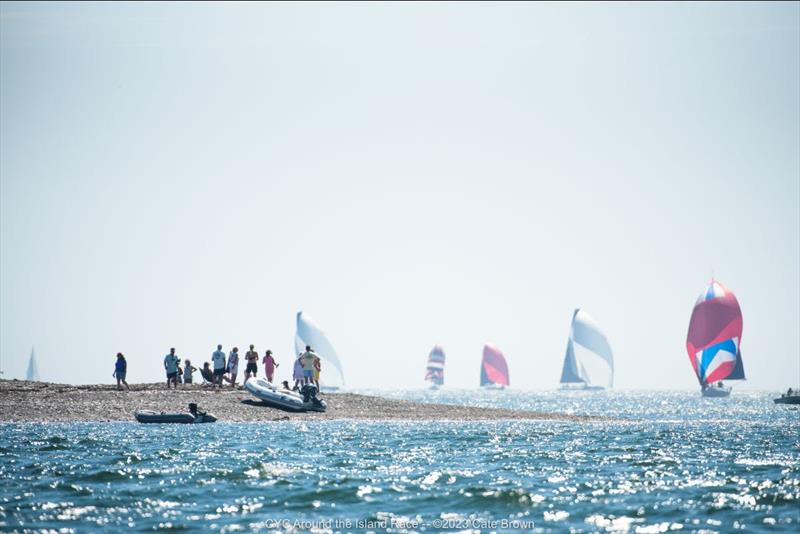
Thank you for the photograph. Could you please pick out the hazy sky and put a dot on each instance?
(408, 174)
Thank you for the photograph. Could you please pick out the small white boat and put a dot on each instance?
(283, 398)
(193, 417)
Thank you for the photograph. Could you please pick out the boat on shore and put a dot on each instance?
(193, 417)
(434, 372)
(285, 399)
(714, 338)
(494, 368)
(588, 360)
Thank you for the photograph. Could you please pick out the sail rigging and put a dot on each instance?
(434, 373)
(494, 369)
(588, 359)
(308, 333)
(714, 337)
(33, 370)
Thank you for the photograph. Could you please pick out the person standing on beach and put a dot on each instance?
(297, 374)
(218, 359)
(188, 369)
(233, 365)
(317, 370)
(252, 364)
(269, 365)
(171, 365)
(120, 370)
(308, 364)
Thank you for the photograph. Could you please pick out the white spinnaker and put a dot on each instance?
(308, 333)
(592, 351)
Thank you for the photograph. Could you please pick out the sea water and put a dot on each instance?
(665, 461)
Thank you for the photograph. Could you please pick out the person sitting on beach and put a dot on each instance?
(233, 366)
(252, 364)
(269, 365)
(297, 373)
(308, 358)
(218, 358)
(120, 370)
(171, 366)
(206, 373)
(188, 369)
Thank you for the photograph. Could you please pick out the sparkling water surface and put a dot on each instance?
(668, 461)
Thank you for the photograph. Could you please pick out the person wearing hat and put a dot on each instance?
(252, 363)
(269, 365)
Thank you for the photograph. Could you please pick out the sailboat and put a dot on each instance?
(588, 362)
(494, 369)
(308, 333)
(715, 333)
(33, 370)
(434, 373)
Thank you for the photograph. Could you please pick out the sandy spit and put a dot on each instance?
(22, 401)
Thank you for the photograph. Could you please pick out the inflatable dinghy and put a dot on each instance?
(193, 417)
(284, 399)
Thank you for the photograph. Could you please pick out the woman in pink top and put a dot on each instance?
(269, 365)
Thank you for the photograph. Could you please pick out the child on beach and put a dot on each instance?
(206, 373)
(120, 370)
(188, 369)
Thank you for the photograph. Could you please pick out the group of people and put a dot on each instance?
(222, 368)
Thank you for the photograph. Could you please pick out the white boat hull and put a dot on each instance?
(716, 392)
(281, 398)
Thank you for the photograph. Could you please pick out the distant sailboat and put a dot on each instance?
(588, 362)
(33, 370)
(308, 333)
(715, 333)
(434, 373)
(494, 369)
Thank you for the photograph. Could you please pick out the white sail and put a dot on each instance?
(33, 371)
(308, 333)
(589, 358)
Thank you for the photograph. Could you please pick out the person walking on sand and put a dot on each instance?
(297, 374)
(171, 366)
(251, 357)
(120, 370)
(308, 364)
(188, 369)
(233, 365)
(218, 360)
(269, 365)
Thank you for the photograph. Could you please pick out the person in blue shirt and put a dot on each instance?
(120, 369)
(171, 365)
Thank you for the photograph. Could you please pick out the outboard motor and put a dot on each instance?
(309, 393)
(193, 408)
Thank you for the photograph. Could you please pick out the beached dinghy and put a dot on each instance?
(193, 417)
(283, 398)
(713, 340)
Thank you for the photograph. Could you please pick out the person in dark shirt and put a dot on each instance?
(120, 370)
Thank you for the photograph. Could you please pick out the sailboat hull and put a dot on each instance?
(716, 392)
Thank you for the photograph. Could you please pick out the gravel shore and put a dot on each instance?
(45, 402)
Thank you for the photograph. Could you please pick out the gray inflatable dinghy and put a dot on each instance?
(193, 417)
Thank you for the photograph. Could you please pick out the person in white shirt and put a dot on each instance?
(233, 365)
(218, 359)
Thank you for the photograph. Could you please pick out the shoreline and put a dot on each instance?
(23, 401)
